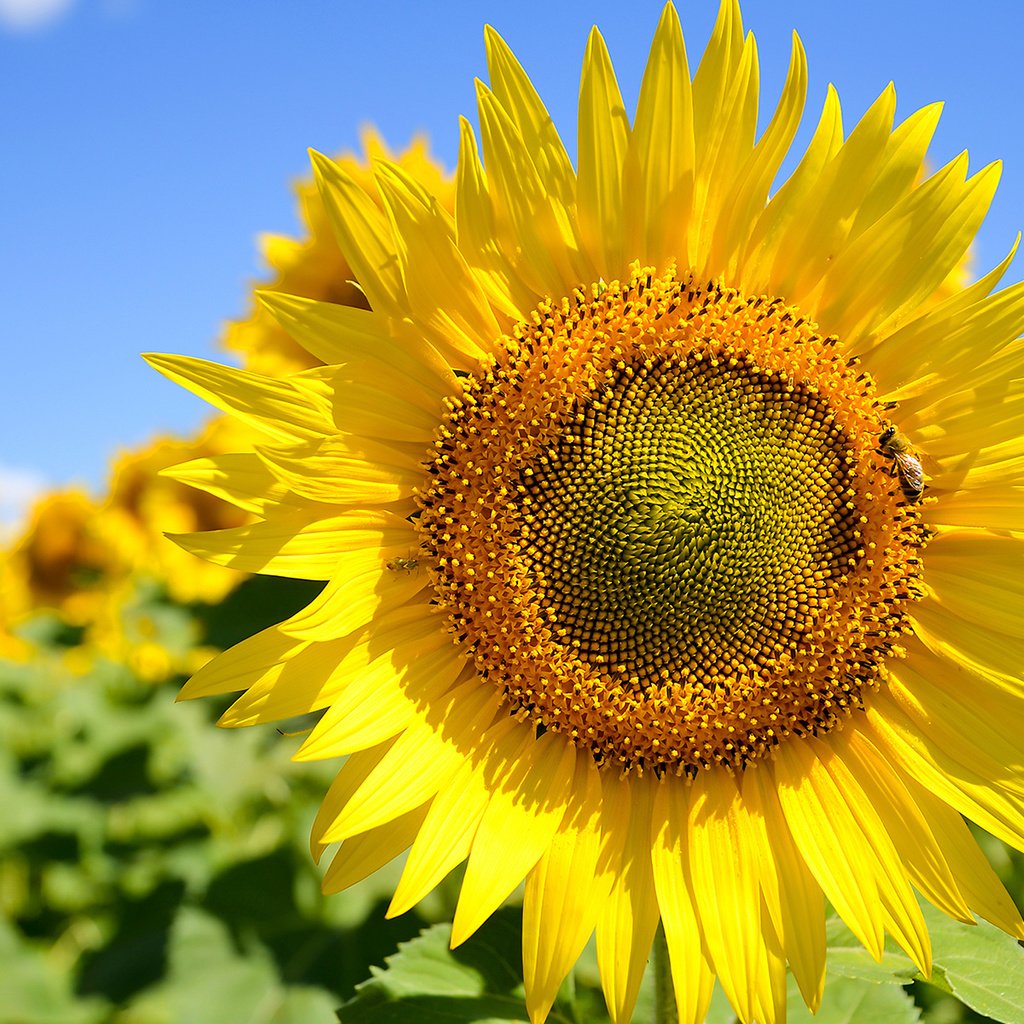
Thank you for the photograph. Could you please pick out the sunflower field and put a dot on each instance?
(619, 564)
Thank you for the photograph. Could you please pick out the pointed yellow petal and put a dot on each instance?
(383, 699)
(830, 840)
(562, 896)
(445, 299)
(363, 235)
(295, 545)
(824, 212)
(359, 857)
(344, 335)
(344, 470)
(976, 880)
(786, 208)
(421, 760)
(938, 220)
(527, 803)
(242, 480)
(475, 229)
(961, 786)
(692, 974)
(271, 405)
(515, 92)
(298, 677)
(532, 227)
(446, 836)
(265, 654)
(364, 586)
(727, 890)
(352, 775)
(748, 196)
(603, 141)
(628, 918)
(663, 144)
(907, 826)
(793, 899)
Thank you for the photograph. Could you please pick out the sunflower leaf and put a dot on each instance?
(980, 965)
(847, 958)
(476, 983)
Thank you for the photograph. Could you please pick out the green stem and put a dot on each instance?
(664, 993)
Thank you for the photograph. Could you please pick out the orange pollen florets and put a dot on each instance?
(661, 522)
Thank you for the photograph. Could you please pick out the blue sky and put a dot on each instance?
(147, 142)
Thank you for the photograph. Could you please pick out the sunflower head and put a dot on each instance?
(668, 516)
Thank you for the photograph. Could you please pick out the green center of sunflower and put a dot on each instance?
(663, 525)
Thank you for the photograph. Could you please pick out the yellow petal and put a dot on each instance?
(475, 221)
(663, 146)
(532, 226)
(419, 762)
(793, 899)
(528, 798)
(295, 545)
(240, 479)
(446, 836)
(363, 236)
(344, 470)
(727, 890)
(628, 918)
(978, 883)
(747, 197)
(830, 840)
(383, 699)
(961, 786)
(359, 857)
(562, 897)
(447, 302)
(271, 405)
(692, 974)
(344, 335)
(603, 141)
(296, 677)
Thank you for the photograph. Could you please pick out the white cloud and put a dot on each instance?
(18, 488)
(30, 14)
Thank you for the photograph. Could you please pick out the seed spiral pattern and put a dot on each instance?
(660, 521)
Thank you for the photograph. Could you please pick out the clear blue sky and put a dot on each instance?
(145, 143)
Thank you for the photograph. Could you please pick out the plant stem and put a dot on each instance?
(664, 992)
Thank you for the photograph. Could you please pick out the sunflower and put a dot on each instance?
(669, 531)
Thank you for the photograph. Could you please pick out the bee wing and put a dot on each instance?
(910, 469)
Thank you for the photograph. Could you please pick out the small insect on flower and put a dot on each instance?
(906, 465)
(403, 564)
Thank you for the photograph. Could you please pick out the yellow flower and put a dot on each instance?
(61, 560)
(144, 502)
(670, 531)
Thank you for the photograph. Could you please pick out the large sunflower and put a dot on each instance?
(668, 531)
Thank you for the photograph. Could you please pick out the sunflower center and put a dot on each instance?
(663, 524)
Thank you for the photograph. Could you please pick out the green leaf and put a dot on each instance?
(210, 982)
(34, 989)
(844, 1001)
(479, 982)
(982, 966)
(850, 1001)
(847, 958)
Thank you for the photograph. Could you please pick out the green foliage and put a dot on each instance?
(155, 869)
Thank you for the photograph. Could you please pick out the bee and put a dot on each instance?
(906, 465)
(403, 564)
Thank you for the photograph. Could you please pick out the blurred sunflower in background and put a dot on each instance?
(84, 560)
(669, 530)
